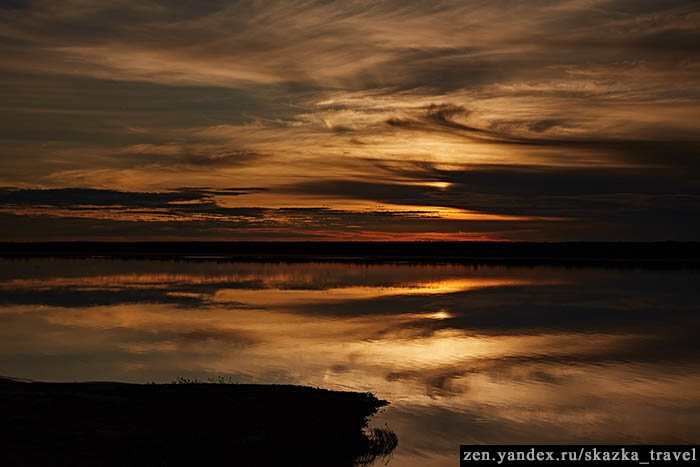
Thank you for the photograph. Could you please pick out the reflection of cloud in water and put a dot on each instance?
(286, 297)
(494, 355)
(190, 285)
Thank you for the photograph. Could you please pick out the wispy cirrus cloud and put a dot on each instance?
(450, 104)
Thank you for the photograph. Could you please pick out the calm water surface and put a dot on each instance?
(466, 355)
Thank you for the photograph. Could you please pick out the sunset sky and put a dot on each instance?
(350, 120)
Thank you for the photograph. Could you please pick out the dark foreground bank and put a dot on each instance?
(117, 424)
(671, 254)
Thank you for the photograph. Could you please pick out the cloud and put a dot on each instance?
(573, 109)
(234, 43)
(630, 203)
(73, 197)
(12, 4)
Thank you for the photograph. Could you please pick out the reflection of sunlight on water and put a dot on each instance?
(442, 314)
(275, 296)
(463, 359)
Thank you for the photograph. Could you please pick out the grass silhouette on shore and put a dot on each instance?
(187, 423)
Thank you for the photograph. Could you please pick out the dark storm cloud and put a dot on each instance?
(223, 223)
(12, 4)
(593, 197)
(539, 180)
(652, 201)
(73, 197)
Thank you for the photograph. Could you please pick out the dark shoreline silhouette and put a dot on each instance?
(110, 424)
(623, 254)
